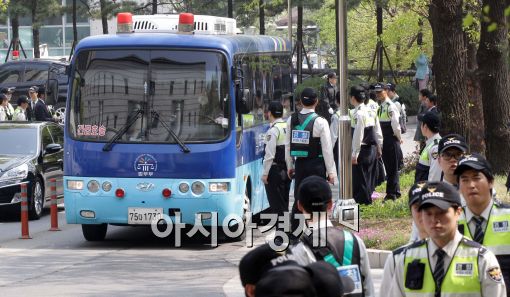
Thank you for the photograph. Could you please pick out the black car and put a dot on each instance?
(33, 153)
(45, 73)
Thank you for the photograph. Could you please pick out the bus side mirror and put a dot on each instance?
(242, 96)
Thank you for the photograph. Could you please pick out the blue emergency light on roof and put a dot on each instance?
(124, 22)
(186, 23)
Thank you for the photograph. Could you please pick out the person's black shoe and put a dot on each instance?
(389, 197)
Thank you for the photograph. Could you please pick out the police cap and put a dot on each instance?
(276, 108)
(431, 119)
(22, 99)
(308, 96)
(452, 140)
(286, 280)
(314, 193)
(255, 263)
(476, 162)
(439, 194)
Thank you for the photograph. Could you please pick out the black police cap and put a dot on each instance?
(276, 108)
(314, 193)
(255, 263)
(476, 162)
(308, 96)
(452, 140)
(440, 194)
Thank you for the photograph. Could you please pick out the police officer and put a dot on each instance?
(333, 127)
(428, 167)
(484, 220)
(341, 248)
(367, 137)
(395, 98)
(308, 140)
(275, 176)
(446, 263)
(391, 152)
(418, 233)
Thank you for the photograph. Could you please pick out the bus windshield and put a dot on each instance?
(151, 94)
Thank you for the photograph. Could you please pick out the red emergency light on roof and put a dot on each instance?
(124, 22)
(15, 55)
(186, 23)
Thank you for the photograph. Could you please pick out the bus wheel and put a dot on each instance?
(94, 232)
(242, 236)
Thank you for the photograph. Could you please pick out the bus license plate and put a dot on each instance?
(143, 216)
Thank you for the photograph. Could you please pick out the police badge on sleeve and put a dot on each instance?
(495, 274)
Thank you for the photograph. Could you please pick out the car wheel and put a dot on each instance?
(36, 200)
(93, 232)
(60, 114)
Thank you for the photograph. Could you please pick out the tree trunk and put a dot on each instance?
(449, 65)
(262, 18)
(104, 17)
(493, 64)
(299, 44)
(476, 128)
(35, 30)
(154, 6)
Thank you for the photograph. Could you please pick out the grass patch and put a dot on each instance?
(385, 235)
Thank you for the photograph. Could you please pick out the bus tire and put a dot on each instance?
(93, 232)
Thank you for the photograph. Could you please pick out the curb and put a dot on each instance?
(377, 258)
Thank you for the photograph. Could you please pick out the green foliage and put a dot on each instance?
(492, 27)
(409, 96)
(399, 33)
(312, 82)
(468, 20)
(387, 210)
(507, 11)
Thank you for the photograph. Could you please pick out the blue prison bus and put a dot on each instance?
(159, 123)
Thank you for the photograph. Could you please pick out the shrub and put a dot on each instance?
(409, 96)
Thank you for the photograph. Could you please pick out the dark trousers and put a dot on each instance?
(504, 264)
(392, 158)
(304, 167)
(362, 180)
(277, 189)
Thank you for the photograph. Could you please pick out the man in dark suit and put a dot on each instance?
(37, 110)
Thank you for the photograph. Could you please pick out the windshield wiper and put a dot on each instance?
(108, 146)
(184, 148)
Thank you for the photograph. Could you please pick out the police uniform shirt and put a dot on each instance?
(393, 114)
(368, 284)
(335, 122)
(433, 154)
(271, 142)
(469, 215)
(320, 129)
(486, 262)
(3, 113)
(389, 270)
(361, 116)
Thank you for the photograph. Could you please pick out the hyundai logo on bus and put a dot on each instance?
(145, 187)
(145, 165)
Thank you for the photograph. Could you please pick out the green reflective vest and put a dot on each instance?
(424, 156)
(282, 127)
(497, 233)
(461, 279)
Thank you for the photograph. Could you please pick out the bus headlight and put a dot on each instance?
(75, 184)
(197, 188)
(183, 187)
(93, 186)
(219, 187)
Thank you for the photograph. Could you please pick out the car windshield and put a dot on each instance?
(18, 141)
(147, 93)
